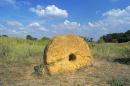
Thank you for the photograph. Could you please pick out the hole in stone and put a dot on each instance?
(72, 57)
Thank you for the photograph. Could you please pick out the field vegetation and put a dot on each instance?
(111, 65)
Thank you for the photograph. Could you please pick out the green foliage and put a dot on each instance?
(20, 50)
(4, 50)
(45, 38)
(3, 36)
(110, 51)
(119, 82)
(29, 37)
(18, 57)
(127, 52)
(101, 40)
(117, 37)
(89, 39)
(128, 32)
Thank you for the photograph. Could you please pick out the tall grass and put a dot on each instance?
(20, 50)
(14, 50)
(119, 82)
(110, 50)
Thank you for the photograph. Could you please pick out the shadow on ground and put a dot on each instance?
(123, 61)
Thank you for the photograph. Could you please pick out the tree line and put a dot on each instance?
(116, 37)
(29, 37)
(108, 38)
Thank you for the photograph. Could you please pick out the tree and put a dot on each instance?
(90, 39)
(29, 37)
(117, 37)
(4, 36)
(45, 38)
(128, 32)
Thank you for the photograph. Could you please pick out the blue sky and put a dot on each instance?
(89, 18)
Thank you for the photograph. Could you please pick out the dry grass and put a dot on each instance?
(98, 75)
(16, 72)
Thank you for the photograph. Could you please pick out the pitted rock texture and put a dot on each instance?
(66, 53)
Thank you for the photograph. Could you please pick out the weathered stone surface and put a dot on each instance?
(66, 53)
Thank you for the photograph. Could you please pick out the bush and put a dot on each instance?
(126, 53)
(29, 37)
(119, 82)
(45, 38)
(117, 37)
(4, 50)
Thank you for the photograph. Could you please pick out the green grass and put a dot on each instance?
(119, 82)
(20, 50)
(110, 51)
(18, 57)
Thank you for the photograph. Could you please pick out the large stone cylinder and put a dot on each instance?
(66, 53)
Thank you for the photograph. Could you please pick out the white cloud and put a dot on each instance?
(2, 28)
(14, 23)
(71, 25)
(115, 20)
(34, 25)
(91, 24)
(67, 25)
(15, 28)
(118, 12)
(37, 26)
(14, 31)
(49, 11)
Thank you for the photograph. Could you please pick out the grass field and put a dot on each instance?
(111, 65)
